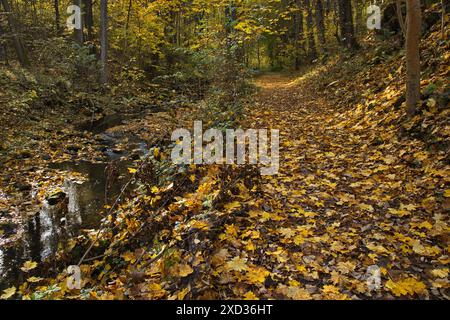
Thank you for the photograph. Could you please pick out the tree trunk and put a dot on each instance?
(399, 11)
(346, 21)
(3, 55)
(18, 44)
(309, 23)
(78, 33)
(89, 18)
(320, 23)
(413, 34)
(336, 16)
(57, 16)
(104, 41)
(127, 26)
(258, 52)
(298, 34)
(443, 20)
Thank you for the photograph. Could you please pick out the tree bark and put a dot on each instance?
(320, 23)
(3, 55)
(336, 17)
(104, 41)
(401, 21)
(346, 21)
(298, 34)
(78, 33)
(443, 20)
(413, 35)
(18, 44)
(89, 18)
(127, 26)
(57, 16)
(310, 25)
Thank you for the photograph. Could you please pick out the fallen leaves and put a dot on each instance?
(408, 286)
(8, 293)
(237, 264)
(257, 274)
(354, 192)
(346, 267)
(297, 293)
(28, 266)
(184, 270)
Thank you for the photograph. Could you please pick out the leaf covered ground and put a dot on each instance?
(360, 185)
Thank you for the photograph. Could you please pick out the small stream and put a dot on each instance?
(81, 208)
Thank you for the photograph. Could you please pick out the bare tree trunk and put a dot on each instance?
(413, 35)
(3, 54)
(401, 21)
(78, 33)
(443, 20)
(104, 41)
(309, 23)
(336, 17)
(127, 26)
(358, 16)
(57, 16)
(320, 23)
(18, 44)
(89, 20)
(258, 52)
(346, 22)
(298, 34)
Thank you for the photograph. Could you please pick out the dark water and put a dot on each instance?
(82, 208)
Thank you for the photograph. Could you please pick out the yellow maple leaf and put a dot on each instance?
(257, 275)
(132, 170)
(408, 286)
(8, 293)
(199, 224)
(155, 291)
(366, 207)
(250, 296)
(34, 279)
(298, 240)
(250, 246)
(28, 266)
(346, 267)
(440, 273)
(400, 213)
(182, 293)
(377, 248)
(231, 230)
(129, 257)
(156, 152)
(184, 270)
(287, 232)
(297, 293)
(232, 205)
(332, 292)
(237, 264)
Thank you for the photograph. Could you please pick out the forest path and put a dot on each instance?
(338, 212)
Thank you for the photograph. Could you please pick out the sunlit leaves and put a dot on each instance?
(408, 286)
(8, 293)
(28, 266)
(237, 264)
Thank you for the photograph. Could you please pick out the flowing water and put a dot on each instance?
(82, 207)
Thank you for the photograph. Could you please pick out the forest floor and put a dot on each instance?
(339, 205)
(362, 189)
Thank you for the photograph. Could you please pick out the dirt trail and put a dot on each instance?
(339, 208)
